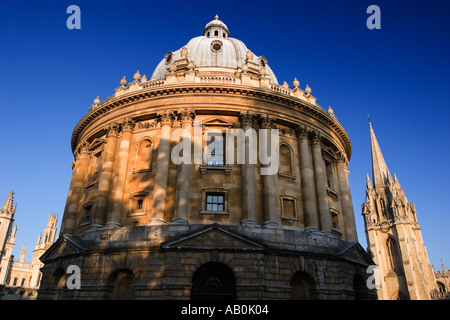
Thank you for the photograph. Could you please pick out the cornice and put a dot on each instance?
(265, 94)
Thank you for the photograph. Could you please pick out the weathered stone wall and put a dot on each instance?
(263, 262)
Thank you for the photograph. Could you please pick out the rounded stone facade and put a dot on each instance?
(209, 180)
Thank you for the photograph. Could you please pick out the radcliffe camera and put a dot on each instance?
(163, 155)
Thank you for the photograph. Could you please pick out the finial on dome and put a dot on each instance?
(307, 90)
(184, 52)
(285, 85)
(144, 78)
(217, 17)
(249, 55)
(191, 65)
(97, 101)
(296, 83)
(330, 111)
(137, 76)
(123, 82)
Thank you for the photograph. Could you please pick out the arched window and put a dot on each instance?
(213, 281)
(144, 155)
(285, 160)
(302, 286)
(394, 262)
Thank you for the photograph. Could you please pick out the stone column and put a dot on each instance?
(116, 201)
(162, 169)
(104, 184)
(321, 183)
(346, 200)
(78, 178)
(186, 118)
(307, 180)
(269, 182)
(248, 175)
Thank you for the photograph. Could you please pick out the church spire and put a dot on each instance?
(380, 171)
(9, 207)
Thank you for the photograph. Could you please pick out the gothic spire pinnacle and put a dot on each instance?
(380, 171)
(368, 182)
(9, 207)
(22, 253)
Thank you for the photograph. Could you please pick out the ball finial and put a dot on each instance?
(307, 90)
(123, 82)
(97, 101)
(137, 76)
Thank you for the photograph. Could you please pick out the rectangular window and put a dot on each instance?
(87, 213)
(216, 149)
(140, 204)
(215, 202)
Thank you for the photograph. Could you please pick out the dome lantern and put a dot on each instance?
(216, 29)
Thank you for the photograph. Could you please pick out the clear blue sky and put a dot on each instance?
(50, 75)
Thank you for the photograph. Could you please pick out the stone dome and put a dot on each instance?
(214, 51)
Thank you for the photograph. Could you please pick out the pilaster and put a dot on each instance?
(165, 118)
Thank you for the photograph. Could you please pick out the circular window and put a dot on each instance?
(168, 56)
(263, 61)
(216, 46)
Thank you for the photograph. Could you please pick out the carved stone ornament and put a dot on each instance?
(307, 90)
(165, 118)
(184, 52)
(246, 118)
(123, 82)
(113, 129)
(302, 131)
(137, 76)
(128, 124)
(249, 55)
(82, 148)
(315, 136)
(186, 115)
(266, 121)
(385, 227)
(191, 65)
(147, 124)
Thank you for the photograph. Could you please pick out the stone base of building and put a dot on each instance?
(204, 262)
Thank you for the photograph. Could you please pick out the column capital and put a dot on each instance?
(266, 120)
(165, 117)
(302, 131)
(113, 129)
(128, 124)
(315, 137)
(82, 149)
(186, 115)
(341, 157)
(246, 118)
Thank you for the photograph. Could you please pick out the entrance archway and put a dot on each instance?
(213, 281)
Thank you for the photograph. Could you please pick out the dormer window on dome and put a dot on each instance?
(216, 29)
